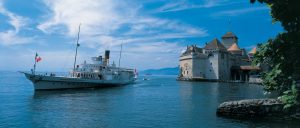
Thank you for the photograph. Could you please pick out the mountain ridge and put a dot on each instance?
(161, 71)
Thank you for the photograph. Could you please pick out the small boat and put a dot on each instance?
(146, 78)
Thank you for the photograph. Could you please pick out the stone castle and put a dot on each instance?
(217, 61)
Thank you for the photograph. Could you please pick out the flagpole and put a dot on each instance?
(34, 64)
(229, 25)
(77, 45)
(120, 55)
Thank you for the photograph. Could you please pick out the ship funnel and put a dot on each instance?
(106, 57)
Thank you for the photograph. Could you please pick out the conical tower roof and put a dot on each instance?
(229, 34)
(215, 44)
(253, 51)
(234, 47)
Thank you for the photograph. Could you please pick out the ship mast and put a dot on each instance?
(120, 57)
(77, 45)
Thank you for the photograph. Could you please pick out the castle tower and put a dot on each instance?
(235, 49)
(229, 39)
(251, 53)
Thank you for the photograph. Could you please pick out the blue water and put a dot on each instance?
(159, 102)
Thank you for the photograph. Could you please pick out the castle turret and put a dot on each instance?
(235, 49)
(251, 53)
(229, 39)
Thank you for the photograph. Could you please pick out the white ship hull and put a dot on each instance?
(41, 82)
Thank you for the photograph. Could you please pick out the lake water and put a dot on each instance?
(159, 102)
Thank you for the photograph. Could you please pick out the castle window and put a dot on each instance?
(187, 72)
(222, 55)
(210, 63)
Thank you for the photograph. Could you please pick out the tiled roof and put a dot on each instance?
(215, 44)
(234, 47)
(253, 51)
(248, 67)
(229, 34)
(191, 49)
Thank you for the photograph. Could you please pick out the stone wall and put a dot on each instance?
(255, 80)
(199, 66)
(212, 70)
(185, 65)
(224, 66)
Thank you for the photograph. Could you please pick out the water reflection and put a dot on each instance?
(72, 108)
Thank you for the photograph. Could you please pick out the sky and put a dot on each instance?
(153, 33)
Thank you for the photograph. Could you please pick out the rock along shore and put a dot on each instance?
(251, 108)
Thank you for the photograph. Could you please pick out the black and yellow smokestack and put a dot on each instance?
(106, 57)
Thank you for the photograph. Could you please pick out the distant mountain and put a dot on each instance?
(162, 71)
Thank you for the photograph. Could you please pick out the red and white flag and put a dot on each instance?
(37, 58)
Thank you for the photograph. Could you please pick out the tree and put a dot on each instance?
(282, 54)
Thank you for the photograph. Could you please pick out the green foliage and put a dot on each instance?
(282, 54)
(289, 97)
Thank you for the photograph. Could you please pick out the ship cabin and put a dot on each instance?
(99, 69)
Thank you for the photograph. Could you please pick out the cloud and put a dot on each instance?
(16, 21)
(186, 5)
(53, 60)
(96, 16)
(149, 55)
(111, 22)
(11, 37)
(156, 48)
(237, 12)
